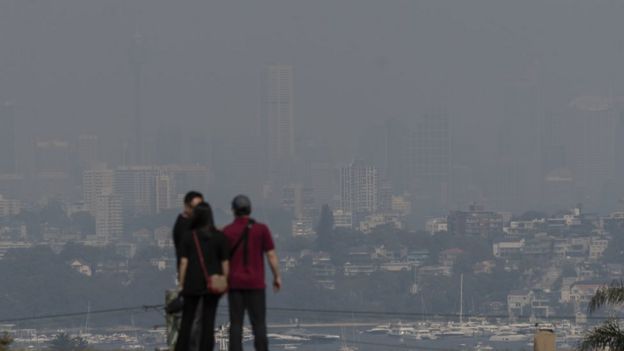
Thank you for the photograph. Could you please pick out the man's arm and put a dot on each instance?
(274, 264)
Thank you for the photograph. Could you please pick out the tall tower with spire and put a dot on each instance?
(137, 60)
(280, 128)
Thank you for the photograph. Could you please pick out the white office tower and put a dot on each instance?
(359, 188)
(94, 182)
(108, 216)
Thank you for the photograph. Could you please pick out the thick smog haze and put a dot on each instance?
(66, 65)
(446, 159)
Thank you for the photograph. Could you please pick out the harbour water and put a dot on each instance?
(364, 335)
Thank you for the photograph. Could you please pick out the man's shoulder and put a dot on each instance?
(228, 229)
(261, 227)
(236, 227)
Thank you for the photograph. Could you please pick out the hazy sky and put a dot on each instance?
(66, 64)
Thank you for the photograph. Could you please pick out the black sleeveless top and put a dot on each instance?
(215, 248)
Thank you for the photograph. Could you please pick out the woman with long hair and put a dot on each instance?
(211, 244)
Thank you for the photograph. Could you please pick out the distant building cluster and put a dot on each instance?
(407, 174)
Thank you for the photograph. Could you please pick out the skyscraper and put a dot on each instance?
(137, 188)
(299, 200)
(7, 139)
(594, 147)
(109, 215)
(430, 158)
(280, 114)
(395, 158)
(518, 174)
(359, 188)
(386, 146)
(94, 183)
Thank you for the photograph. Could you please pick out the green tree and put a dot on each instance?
(5, 342)
(54, 214)
(609, 334)
(325, 229)
(83, 222)
(65, 342)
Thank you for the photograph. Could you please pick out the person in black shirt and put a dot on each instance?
(215, 251)
(181, 229)
(182, 224)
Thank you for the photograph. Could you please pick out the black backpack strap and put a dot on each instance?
(244, 238)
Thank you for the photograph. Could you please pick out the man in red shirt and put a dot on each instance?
(249, 243)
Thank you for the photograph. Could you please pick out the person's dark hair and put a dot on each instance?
(241, 205)
(192, 195)
(202, 217)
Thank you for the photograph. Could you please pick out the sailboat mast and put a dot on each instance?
(461, 300)
(86, 327)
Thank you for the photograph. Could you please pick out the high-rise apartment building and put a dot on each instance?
(7, 139)
(137, 188)
(94, 183)
(109, 215)
(359, 188)
(396, 151)
(299, 199)
(475, 221)
(517, 170)
(280, 114)
(9, 207)
(430, 158)
(595, 120)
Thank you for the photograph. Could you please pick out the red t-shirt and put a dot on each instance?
(258, 242)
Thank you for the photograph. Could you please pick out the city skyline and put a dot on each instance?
(433, 174)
